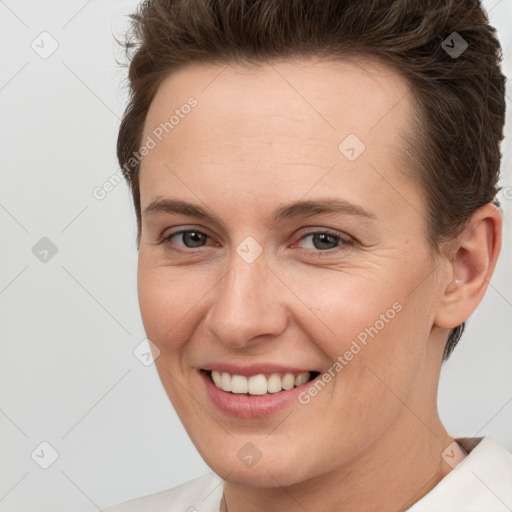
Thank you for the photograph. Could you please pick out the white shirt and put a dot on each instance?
(482, 482)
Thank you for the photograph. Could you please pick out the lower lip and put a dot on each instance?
(243, 406)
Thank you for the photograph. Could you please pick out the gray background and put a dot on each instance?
(70, 324)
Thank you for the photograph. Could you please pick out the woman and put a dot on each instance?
(315, 188)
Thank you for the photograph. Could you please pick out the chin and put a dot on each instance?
(261, 475)
(250, 467)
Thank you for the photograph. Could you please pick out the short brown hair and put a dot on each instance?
(460, 100)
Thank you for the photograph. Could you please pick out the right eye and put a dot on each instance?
(191, 239)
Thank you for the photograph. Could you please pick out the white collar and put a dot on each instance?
(482, 482)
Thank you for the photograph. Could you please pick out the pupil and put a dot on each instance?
(190, 236)
(323, 237)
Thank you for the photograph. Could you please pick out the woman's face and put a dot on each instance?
(346, 288)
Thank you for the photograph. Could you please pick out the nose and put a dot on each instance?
(246, 306)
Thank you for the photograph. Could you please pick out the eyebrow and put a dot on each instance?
(300, 208)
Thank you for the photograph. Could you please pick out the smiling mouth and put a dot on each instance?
(260, 384)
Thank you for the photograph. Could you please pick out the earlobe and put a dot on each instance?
(474, 257)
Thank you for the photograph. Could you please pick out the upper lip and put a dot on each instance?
(253, 369)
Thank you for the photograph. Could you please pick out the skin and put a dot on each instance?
(261, 137)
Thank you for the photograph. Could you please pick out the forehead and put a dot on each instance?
(338, 94)
(280, 123)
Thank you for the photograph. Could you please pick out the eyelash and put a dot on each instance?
(343, 243)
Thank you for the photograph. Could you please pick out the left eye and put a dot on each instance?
(322, 239)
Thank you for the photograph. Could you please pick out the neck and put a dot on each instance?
(391, 475)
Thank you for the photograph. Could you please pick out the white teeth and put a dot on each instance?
(258, 384)
(302, 378)
(225, 382)
(217, 378)
(274, 383)
(239, 384)
(288, 381)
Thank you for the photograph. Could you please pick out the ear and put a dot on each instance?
(473, 258)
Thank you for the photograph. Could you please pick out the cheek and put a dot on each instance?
(342, 308)
(374, 332)
(164, 302)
